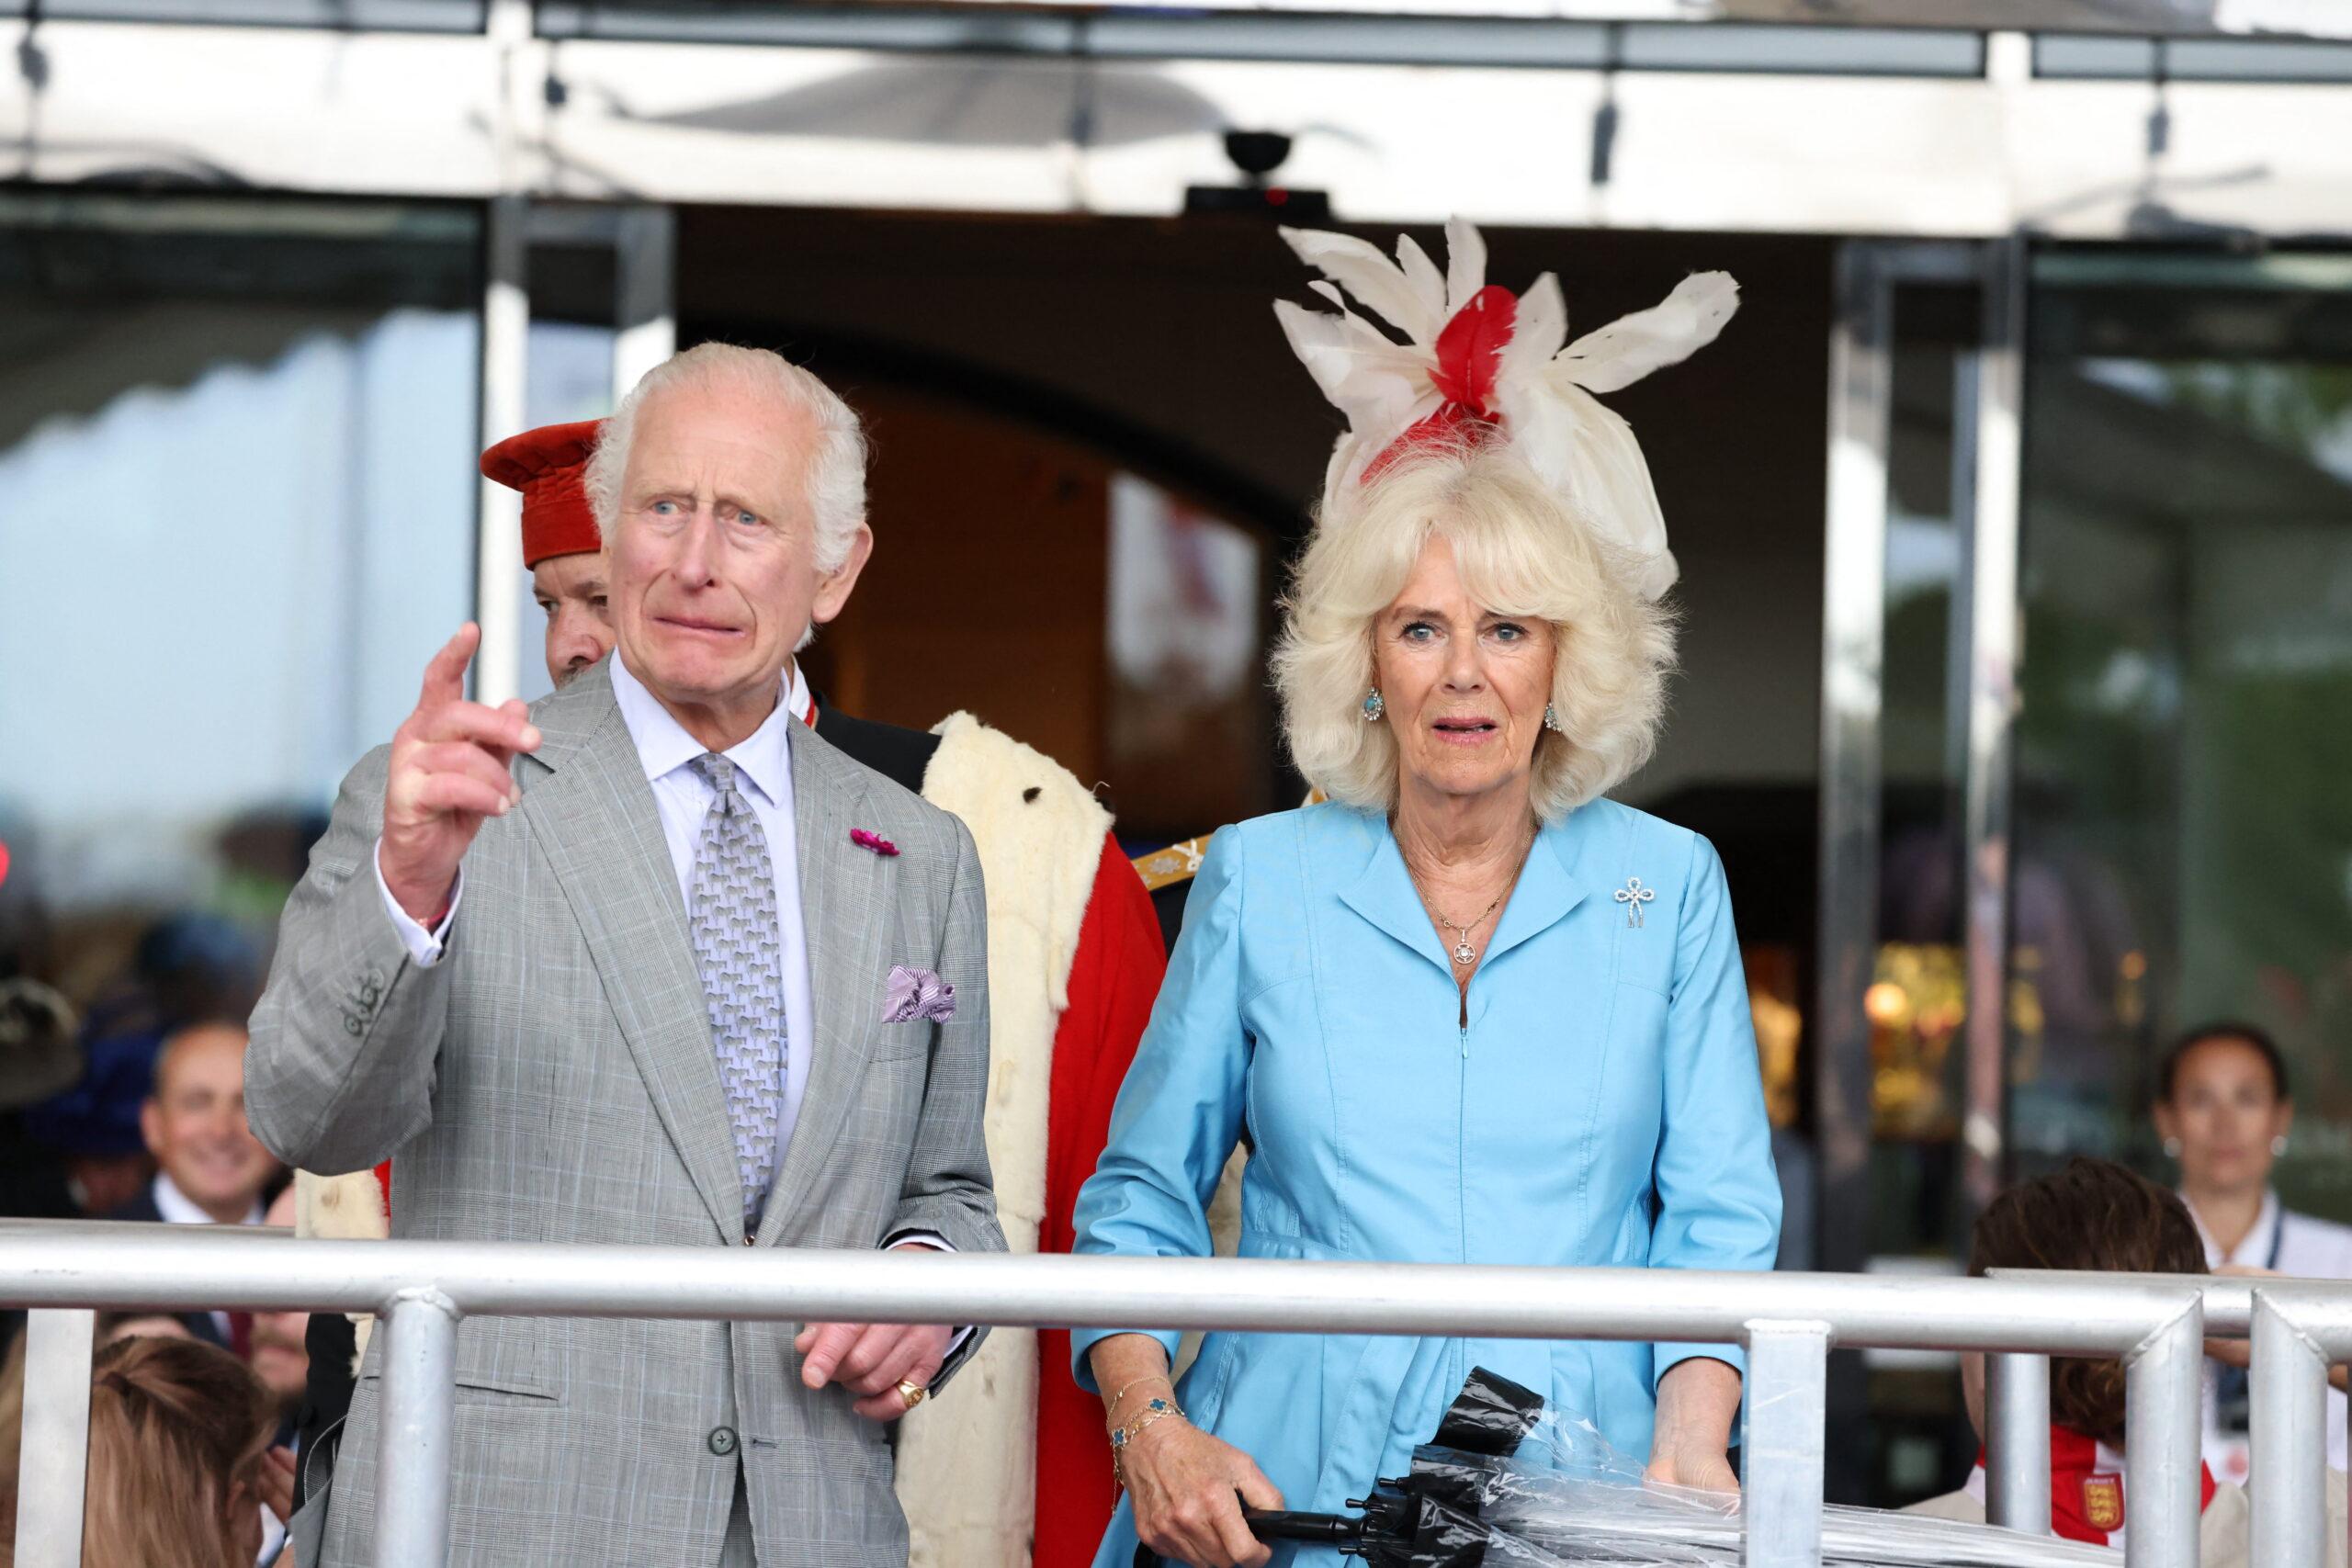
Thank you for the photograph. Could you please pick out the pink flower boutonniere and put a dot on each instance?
(875, 841)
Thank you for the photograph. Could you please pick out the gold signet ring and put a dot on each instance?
(914, 1393)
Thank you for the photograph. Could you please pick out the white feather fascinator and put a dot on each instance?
(1477, 360)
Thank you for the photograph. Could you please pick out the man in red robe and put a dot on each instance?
(1013, 1468)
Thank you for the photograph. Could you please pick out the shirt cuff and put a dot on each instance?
(937, 1242)
(423, 946)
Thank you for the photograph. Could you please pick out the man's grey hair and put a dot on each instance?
(836, 466)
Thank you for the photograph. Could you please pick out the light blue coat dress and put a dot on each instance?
(1602, 1107)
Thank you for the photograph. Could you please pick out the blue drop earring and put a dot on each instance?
(1374, 706)
(1552, 720)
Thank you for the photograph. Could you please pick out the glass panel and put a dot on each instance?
(1916, 1002)
(236, 515)
(2185, 841)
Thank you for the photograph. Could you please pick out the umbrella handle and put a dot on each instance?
(1277, 1524)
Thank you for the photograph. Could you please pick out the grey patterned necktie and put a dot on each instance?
(739, 947)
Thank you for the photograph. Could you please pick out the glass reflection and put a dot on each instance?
(2184, 833)
(236, 513)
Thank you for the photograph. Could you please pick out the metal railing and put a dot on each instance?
(1788, 1322)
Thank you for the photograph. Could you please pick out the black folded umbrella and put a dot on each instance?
(1428, 1519)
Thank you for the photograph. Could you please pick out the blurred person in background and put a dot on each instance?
(185, 968)
(138, 1323)
(181, 1471)
(2224, 1111)
(91, 1130)
(2096, 1215)
(39, 1056)
(211, 1168)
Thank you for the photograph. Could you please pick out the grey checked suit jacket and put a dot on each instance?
(552, 1079)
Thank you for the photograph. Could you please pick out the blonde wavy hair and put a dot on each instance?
(1521, 550)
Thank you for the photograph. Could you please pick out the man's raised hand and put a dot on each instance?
(449, 770)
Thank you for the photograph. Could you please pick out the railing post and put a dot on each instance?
(2164, 1413)
(53, 1468)
(420, 1396)
(1788, 1370)
(2290, 1437)
(2017, 1441)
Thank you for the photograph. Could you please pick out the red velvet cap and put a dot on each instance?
(547, 465)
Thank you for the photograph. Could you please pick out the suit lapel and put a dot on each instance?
(594, 816)
(844, 907)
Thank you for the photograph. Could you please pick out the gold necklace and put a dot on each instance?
(1464, 953)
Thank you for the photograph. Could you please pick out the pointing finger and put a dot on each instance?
(445, 676)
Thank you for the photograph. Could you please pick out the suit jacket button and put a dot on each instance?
(722, 1440)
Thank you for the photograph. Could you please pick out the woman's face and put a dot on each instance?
(2224, 1111)
(1464, 687)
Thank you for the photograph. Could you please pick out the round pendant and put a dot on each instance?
(1462, 952)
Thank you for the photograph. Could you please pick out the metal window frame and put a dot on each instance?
(1403, 37)
(643, 239)
(1988, 454)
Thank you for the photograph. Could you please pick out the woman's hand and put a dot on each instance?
(1188, 1490)
(1696, 1402)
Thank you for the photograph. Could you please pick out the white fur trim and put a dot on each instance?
(966, 1469)
(343, 1208)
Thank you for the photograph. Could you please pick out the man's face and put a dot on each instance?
(713, 561)
(194, 1121)
(570, 592)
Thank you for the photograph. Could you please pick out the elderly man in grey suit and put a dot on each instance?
(651, 963)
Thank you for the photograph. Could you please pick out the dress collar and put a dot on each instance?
(2261, 1244)
(180, 1209)
(1547, 889)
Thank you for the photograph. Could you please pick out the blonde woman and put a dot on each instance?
(1466, 1011)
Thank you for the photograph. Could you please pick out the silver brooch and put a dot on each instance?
(1634, 896)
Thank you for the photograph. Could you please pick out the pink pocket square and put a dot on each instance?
(918, 994)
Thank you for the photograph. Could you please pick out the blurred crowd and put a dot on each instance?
(131, 1107)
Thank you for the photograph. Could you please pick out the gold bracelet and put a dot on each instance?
(1112, 1410)
(1158, 1410)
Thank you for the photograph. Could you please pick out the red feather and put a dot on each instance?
(1469, 348)
(1469, 355)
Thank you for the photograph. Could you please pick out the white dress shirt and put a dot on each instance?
(179, 1209)
(2291, 1244)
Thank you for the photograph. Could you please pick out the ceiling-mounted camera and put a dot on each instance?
(1258, 153)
